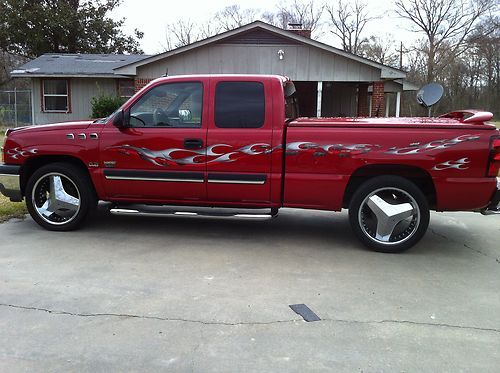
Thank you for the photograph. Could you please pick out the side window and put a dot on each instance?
(55, 96)
(239, 105)
(169, 105)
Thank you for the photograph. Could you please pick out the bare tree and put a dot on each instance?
(482, 60)
(208, 29)
(233, 16)
(180, 33)
(306, 13)
(446, 25)
(348, 21)
(380, 49)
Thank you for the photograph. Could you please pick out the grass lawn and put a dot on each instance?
(9, 209)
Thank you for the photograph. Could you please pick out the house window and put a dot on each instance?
(126, 88)
(239, 105)
(55, 95)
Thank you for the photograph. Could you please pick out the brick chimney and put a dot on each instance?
(297, 29)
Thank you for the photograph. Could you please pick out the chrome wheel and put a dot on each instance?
(56, 198)
(389, 216)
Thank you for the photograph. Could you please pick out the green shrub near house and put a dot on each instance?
(104, 105)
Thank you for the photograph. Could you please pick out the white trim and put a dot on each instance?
(319, 99)
(398, 103)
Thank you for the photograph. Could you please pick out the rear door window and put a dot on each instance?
(239, 105)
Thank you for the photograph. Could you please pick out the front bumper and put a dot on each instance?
(10, 182)
(494, 206)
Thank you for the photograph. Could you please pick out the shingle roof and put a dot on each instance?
(62, 64)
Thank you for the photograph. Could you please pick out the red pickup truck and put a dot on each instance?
(236, 141)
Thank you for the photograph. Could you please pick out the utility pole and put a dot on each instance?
(401, 56)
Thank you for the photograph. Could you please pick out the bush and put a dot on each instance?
(104, 105)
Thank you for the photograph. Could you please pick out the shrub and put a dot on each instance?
(103, 105)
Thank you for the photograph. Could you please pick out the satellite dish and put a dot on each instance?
(429, 95)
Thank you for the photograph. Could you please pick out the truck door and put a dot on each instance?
(161, 156)
(239, 141)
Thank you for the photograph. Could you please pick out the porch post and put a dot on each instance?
(319, 98)
(398, 103)
(378, 99)
(387, 105)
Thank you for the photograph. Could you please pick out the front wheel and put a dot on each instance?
(59, 196)
(389, 214)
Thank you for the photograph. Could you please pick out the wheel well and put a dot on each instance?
(34, 163)
(418, 176)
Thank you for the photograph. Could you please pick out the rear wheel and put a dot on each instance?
(389, 214)
(59, 196)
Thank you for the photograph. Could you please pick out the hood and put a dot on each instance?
(67, 126)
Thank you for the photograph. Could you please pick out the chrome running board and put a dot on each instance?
(164, 211)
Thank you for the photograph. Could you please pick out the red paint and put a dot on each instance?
(315, 175)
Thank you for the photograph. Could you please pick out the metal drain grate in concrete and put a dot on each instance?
(304, 311)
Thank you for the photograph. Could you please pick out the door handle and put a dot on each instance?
(193, 143)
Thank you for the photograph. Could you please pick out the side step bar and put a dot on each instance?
(163, 211)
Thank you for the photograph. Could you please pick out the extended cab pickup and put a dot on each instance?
(235, 141)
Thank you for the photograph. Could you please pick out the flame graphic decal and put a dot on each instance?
(217, 153)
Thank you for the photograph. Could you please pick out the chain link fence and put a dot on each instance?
(15, 108)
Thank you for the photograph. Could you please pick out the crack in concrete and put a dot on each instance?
(420, 323)
(466, 246)
(131, 316)
(346, 321)
(478, 251)
(438, 234)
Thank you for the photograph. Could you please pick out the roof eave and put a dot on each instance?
(390, 73)
(61, 75)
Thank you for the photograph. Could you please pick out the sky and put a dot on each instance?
(152, 17)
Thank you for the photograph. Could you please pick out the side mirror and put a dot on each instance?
(119, 120)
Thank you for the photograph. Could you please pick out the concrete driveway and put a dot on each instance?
(198, 294)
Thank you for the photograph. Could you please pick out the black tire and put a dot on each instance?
(384, 191)
(75, 186)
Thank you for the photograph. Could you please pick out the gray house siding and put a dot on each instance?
(300, 63)
(81, 92)
(304, 64)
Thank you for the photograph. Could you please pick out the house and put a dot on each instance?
(62, 85)
(329, 81)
